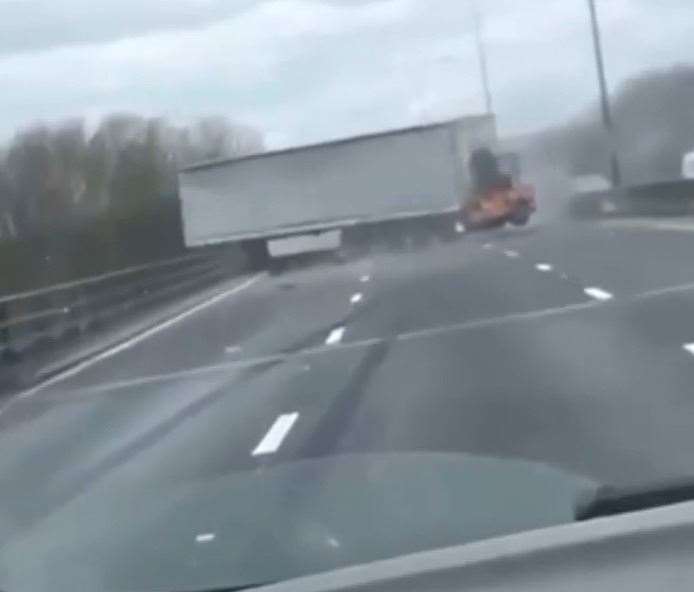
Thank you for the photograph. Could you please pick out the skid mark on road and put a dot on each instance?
(326, 437)
(86, 476)
(334, 342)
(298, 354)
(267, 361)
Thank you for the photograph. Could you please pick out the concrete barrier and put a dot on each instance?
(665, 198)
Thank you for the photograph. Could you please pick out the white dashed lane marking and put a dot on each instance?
(356, 298)
(598, 294)
(689, 347)
(272, 441)
(335, 336)
(365, 278)
(232, 349)
(544, 267)
(512, 254)
(206, 537)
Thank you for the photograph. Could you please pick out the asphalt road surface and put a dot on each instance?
(562, 344)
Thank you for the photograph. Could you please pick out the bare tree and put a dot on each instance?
(8, 204)
(58, 175)
(34, 172)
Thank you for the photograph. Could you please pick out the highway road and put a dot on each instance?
(565, 344)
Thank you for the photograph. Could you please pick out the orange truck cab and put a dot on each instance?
(499, 200)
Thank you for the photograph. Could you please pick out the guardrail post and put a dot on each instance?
(8, 350)
(4, 329)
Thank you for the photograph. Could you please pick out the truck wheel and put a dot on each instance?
(277, 266)
(257, 254)
(519, 220)
(520, 217)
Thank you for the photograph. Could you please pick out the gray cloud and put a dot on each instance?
(302, 70)
(37, 25)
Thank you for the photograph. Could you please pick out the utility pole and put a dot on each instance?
(604, 97)
(482, 56)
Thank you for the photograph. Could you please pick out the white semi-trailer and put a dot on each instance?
(320, 196)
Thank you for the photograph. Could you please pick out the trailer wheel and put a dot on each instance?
(257, 254)
(277, 265)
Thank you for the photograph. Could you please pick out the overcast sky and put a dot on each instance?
(304, 70)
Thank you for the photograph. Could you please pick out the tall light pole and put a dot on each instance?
(482, 56)
(607, 121)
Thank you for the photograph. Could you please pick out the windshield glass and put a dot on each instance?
(295, 285)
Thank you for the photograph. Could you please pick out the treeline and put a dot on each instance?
(55, 177)
(75, 203)
(654, 121)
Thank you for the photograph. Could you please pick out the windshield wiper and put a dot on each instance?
(610, 501)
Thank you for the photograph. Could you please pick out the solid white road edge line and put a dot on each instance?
(335, 336)
(598, 294)
(667, 291)
(276, 434)
(140, 337)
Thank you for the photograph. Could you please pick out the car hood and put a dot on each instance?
(276, 522)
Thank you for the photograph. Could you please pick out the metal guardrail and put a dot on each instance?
(665, 198)
(49, 315)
